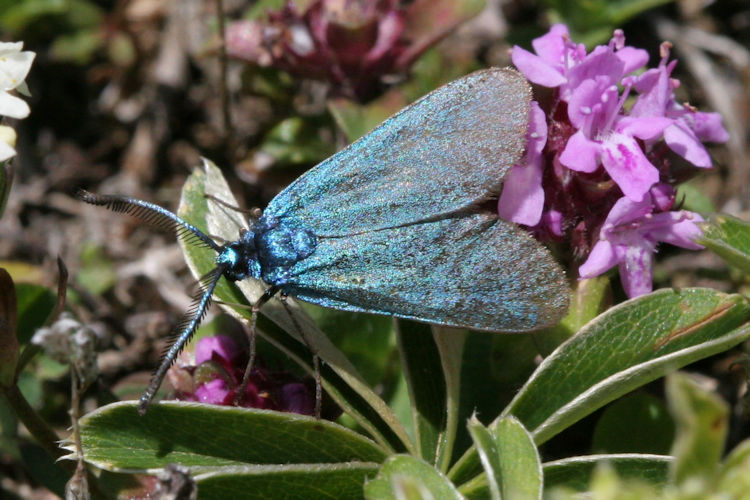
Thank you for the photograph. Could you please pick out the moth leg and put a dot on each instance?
(316, 358)
(255, 309)
(253, 213)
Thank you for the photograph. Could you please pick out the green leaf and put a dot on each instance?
(64, 15)
(43, 468)
(420, 361)
(734, 477)
(701, 418)
(450, 343)
(593, 21)
(368, 340)
(116, 438)
(78, 47)
(288, 320)
(510, 459)
(520, 467)
(729, 238)
(431, 360)
(14, 15)
(626, 347)
(694, 200)
(636, 423)
(404, 476)
(9, 442)
(575, 472)
(310, 481)
(605, 483)
(590, 297)
(260, 8)
(485, 444)
(356, 120)
(35, 304)
(31, 388)
(8, 330)
(97, 273)
(495, 365)
(400, 402)
(296, 141)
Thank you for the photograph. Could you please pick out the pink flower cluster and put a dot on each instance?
(353, 44)
(217, 374)
(598, 172)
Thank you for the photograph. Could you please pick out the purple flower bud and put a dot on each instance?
(216, 375)
(244, 41)
(297, 398)
(353, 44)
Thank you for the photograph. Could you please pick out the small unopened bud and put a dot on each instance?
(8, 135)
(70, 342)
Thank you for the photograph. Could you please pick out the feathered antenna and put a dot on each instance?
(151, 214)
(182, 333)
(159, 217)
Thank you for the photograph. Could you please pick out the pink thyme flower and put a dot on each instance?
(600, 179)
(560, 63)
(688, 127)
(629, 238)
(216, 376)
(607, 137)
(522, 199)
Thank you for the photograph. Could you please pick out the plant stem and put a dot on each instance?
(37, 427)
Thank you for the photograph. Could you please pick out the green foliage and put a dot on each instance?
(97, 274)
(510, 459)
(367, 340)
(262, 7)
(694, 200)
(638, 422)
(75, 25)
(35, 303)
(407, 477)
(701, 419)
(43, 469)
(295, 141)
(616, 352)
(23, 309)
(428, 412)
(593, 21)
(431, 71)
(696, 471)
(167, 434)
(729, 237)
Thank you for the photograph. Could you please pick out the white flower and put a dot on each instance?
(7, 143)
(14, 66)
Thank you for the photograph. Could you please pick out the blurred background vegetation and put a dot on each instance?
(127, 95)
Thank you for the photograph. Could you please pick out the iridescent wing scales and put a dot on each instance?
(475, 271)
(443, 154)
